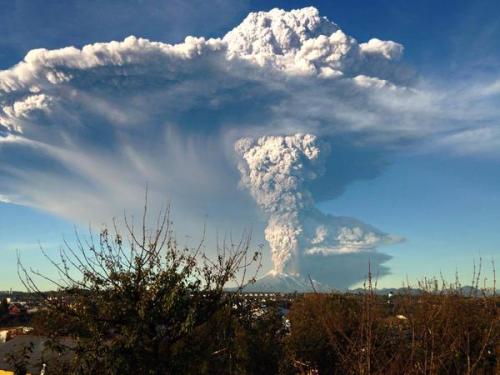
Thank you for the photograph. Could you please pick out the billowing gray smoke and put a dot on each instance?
(278, 171)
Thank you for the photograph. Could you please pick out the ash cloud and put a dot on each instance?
(277, 171)
(83, 130)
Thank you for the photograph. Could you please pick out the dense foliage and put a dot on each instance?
(429, 333)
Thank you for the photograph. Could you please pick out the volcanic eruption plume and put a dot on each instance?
(278, 171)
(92, 125)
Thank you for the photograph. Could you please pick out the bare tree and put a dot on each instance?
(129, 302)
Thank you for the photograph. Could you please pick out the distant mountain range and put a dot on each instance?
(285, 283)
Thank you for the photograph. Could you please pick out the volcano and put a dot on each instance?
(285, 283)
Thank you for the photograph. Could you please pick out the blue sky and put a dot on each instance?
(446, 204)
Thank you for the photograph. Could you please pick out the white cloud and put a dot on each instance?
(387, 48)
(301, 42)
